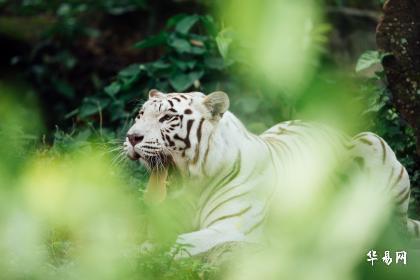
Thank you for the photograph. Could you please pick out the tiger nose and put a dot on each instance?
(134, 139)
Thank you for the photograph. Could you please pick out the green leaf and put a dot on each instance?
(181, 45)
(184, 25)
(197, 50)
(183, 65)
(64, 10)
(113, 88)
(71, 114)
(152, 41)
(92, 106)
(128, 82)
(216, 63)
(160, 64)
(171, 22)
(223, 42)
(67, 59)
(128, 76)
(209, 24)
(83, 135)
(64, 88)
(132, 70)
(117, 109)
(181, 81)
(368, 59)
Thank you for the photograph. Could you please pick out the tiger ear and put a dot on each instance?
(217, 103)
(154, 93)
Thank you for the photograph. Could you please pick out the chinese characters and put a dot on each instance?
(400, 257)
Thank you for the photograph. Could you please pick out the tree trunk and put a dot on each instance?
(398, 34)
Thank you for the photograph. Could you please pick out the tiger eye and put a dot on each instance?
(166, 118)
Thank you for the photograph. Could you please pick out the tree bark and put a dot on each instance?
(398, 34)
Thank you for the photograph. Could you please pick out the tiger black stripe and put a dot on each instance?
(186, 140)
(203, 163)
(349, 146)
(282, 150)
(269, 147)
(199, 130)
(291, 132)
(240, 213)
(223, 202)
(222, 182)
(255, 226)
(391, 175)
(401, 192)
(361, 135)
(365, 141)
(284, 145)
(171, 143)
(229, 177)
(404, 198)
(181, 119)
(252, 174)
(383, 150)
(399, 177)
(197, 152)
(150, 147)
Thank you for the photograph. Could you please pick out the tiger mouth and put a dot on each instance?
(156, 190)
(135, 156)
(157, 161)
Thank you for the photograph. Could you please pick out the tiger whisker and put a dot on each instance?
(116, 158)
(119, 158)
(115, 149)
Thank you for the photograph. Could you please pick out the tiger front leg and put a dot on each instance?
(202, 241)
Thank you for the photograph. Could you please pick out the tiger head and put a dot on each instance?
(169, 131)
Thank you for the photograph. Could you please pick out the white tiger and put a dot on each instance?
(230, 170)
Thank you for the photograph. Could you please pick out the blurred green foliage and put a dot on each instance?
(92, 102)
